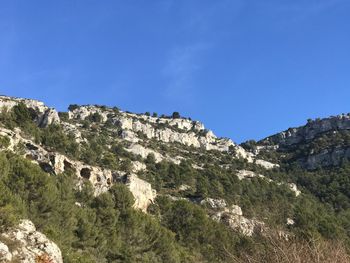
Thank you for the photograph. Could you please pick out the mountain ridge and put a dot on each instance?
(174, 169)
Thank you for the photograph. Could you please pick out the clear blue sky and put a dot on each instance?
(246, 68)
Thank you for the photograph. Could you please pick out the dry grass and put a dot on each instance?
(317, 251)
(43, 258)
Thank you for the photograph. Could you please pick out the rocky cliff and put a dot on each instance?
(44, 115)
(138, 127)
(319, 143)
(308, 132)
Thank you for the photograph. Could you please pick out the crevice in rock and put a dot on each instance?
(85, 173)
(67, 165)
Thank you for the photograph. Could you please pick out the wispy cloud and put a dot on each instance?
(203, 21)
(180, 69)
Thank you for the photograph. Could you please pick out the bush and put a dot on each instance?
(176, 115)
(64, 116)
(95, 117)
(4, 142)
(73, 107)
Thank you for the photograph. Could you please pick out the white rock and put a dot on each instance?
(242, 153)
(31, 244)
(235, 210)
(184, 187)
(5, 255)
(239, 223)
(138, 149)
(101, 179)
(130, 136)
(138, 166)
(82, 112)
(45, 115)
(266, 164)
(245, 174)
(290, 222)
(214, 203)
(294, 189)
(142, 191)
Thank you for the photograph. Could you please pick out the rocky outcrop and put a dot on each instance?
(180, 130)
(307, 133)
(5, 254)
(100, 178)
(136, 127)
(144, 152)
(138, 149)
(327, 157)
(242, 224)
(232, 216)
(310, 131)
(305, 142)
(240, 152)
(143, 193)
(267, 165)
(245, 174)
(214, 203)
(44, 115)
(27, 245)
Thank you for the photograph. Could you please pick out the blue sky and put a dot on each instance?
(246, 68)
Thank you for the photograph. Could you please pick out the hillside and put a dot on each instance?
(99, 184)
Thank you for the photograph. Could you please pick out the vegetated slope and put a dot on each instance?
(314, 156)
(112, 186)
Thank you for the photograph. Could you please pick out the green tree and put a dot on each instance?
(176, 115)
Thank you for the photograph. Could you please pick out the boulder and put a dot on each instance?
(142, 191)
(5, 254)
(31, 245)
(214, 203)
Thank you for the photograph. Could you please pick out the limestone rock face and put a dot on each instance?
(245, 174)
(242, 153)
(142, 191)
(138, 149)
(214, 203)
(251, 158)
(291, 139)
(327, 157)
(266, 164)
(184, 131)
(135, 127)
(236, 210)
(5, 254)
(138, 166)
(45, 115)
(31, 245)
(242, 224)
(233, 217)
(310, 130)
(100, 178)
(85, 111)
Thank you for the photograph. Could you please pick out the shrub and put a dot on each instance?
(176, 115)
(73, 107)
